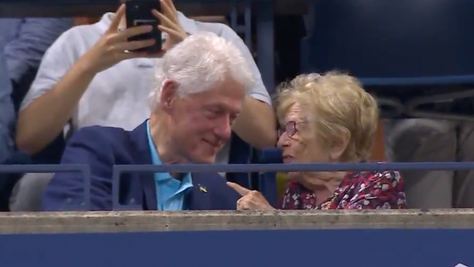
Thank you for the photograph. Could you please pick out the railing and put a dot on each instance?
(336, 239)
(233, 238)
(119, 169)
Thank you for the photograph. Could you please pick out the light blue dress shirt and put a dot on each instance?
(170, 192)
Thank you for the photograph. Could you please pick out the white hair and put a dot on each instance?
(200, 62)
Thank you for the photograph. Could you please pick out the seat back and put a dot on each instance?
(385, 42)
(268, 180)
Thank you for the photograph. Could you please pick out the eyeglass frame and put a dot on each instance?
(290, 128)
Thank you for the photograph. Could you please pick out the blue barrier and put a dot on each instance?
(118, 169)
(298, 247)
(300, 167)
(335, 248)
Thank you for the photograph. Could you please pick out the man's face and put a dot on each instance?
(200, 124)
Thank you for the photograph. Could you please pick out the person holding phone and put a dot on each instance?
(94, 75)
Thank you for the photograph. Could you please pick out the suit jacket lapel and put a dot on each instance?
(199, 197)
(139, 138)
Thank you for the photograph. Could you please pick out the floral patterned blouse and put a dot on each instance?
(357, 190)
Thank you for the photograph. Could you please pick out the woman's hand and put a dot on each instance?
(251, 199)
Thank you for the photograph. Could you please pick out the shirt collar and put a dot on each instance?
(157, 161)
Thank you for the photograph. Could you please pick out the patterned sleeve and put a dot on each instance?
(381, 190)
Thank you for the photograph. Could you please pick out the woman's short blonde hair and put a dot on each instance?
(333, 103)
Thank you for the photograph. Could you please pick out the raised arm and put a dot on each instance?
(256, 124)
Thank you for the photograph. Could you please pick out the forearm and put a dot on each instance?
(256, 124)
(44, 118)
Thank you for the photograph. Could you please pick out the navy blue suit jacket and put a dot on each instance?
(103, 147)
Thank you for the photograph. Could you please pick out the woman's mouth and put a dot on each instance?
(287, 159)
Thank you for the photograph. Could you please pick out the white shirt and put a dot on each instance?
(118, 96)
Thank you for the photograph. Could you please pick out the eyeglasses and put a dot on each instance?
(290, 128)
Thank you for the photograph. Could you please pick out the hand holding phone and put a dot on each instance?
(112, 47)
(139, 13)
(170, 24)
(162, 16)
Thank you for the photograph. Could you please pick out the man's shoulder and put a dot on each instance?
(99, 135)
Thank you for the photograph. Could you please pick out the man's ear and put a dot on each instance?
(169, 92)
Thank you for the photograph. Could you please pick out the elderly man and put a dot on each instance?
(197, 99)
(87, 79)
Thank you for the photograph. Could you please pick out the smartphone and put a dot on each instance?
(138, 13)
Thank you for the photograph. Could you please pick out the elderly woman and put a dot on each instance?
(328, 118)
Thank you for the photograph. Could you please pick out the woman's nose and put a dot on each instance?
(283, 140)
